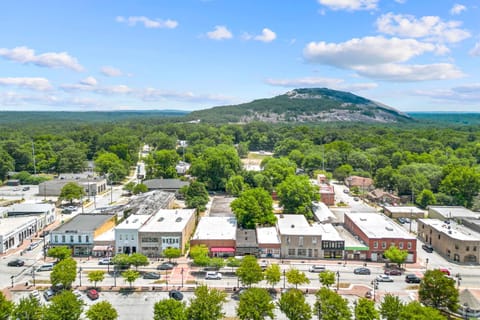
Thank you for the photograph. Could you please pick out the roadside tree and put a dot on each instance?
(140, 188)
(216, 263)
(102, 310)
(327, 278)
(207, 304)
(273, 274)
(249, 271)
(6, 307)
(415, 311)
(253, 207)
(172, 253)
(391, 307)
(426, 198)
(395, 255)
(138, 260)
(64, 272)
(365, 310)
(438, 291)
(121, 260)
(196, 195)
(169, 309)
(96, 276)
(65, 306)
(296, 277)
(255, 304)
(27, 308)
(236, 185)
(130, 276)
(59, 253)
(292, 303)
(331, 306)
(71, 191)
(296, 195)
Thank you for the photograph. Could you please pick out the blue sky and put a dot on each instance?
(413, 55)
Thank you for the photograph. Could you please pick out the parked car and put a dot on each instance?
(151, 275)
(45, 267)
(427, 248)
(49, 294)
(236, 295)
(105, 261)
(402, 220)
(393, 272)
(445, 271)
(175, 294)
(317, 268)
(411, 278)
(356, 199)
(213, 275)
(368, 294)
(16, 263)
(263, 264)
(25, 188)
(165, 266)
(33, 245)
(361, 270)
(35, 294)
(384, 278)
(93, 294)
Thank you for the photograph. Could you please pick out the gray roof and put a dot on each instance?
(246, 238)
(84, 222)
(166, 184)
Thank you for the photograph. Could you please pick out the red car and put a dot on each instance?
(92, 294)
(393, 272)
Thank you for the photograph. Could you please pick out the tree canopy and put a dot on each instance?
(255, 304)
(71, 191)
(253, 207)
(438, 291)
(249, 272)
(296, 195)
(207, 304)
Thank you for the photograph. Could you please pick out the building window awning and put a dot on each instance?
(102, 248)
(222, 249)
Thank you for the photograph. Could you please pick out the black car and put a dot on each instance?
(16, 263)
(151, 275)
(165, 266)
(361, 270)
(427, 248)
(411, 278)
(175, 294)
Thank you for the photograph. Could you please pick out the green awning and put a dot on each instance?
(362, 248)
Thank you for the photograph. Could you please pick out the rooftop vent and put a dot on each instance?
(161, 219)
(178, 219)
(293, 226)
(363, 219)
(389, 228)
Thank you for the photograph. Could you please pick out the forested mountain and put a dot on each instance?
(305, 106)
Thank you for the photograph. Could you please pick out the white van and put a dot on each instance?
(45, 267)
(213, 275)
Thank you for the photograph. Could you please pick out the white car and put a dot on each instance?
(384, 278)
(213, 275)
(317, 268)
(35, 294)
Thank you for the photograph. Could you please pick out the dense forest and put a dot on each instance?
(432, 161)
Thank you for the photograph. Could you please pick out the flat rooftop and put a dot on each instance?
(7, 225)
(31, 207)
(452, 229)
(84, 222)
(133, 222)
(297, 224)
(403, 209)
(329, 232)
(322, 213)
(448, 212)
(168, 220)
(267, 235)
(216, 228)
(378, 226)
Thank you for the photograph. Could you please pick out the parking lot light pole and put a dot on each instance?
(182, 277)
(11, 278)
(166, 278)
(80, 275)
(33, 276)
(426, 264)
(284, 279)
(319, 315)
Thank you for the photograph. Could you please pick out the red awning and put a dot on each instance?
(222, 249)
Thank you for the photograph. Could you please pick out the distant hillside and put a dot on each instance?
(304, 105)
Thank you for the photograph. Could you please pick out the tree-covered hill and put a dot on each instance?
(305, 106)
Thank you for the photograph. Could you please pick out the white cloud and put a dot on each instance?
(366, 51)
(475, 50)
(39, 84)
(153, 94)
(266, 36)
(400, 1)
(89, 81)
(399, 72)
(26, 55)
(457, 9)
(427, 27)
(147, 22)
(350, 5)
(220, 33)
(309, 82)
(110, 71)
(118, 89)
(465, 93)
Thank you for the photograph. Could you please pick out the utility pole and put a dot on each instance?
(33, 154)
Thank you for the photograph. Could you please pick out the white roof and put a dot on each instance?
(106, 236)
(454, 212)
(453, 230)
(31, 207)
(322, 213)
(267, 235)
(135, 221)
(330, 233)
(7, 225)
(404, 209)
(216, 228)
(297, 224)
(168, 220)
(376, 225)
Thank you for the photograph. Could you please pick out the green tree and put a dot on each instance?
(28, 308)
(71, 191)
(59, 253)
(296, 195)
(102, 310)
(426, 198)
(233, 262)
(140, 188)
(172, 253)
(199, 254)
(438, 291)
(249, 271)
(6, 164)
(273, 274)
(64, 272)
(109, 163)
(342, 172)
(292, 303)
(121, 260)
(130, 276)
(253, 207)
(128, 187)
(6, 307)
(235, 185)
(216, 263)
(331, 305)
(391, 307)
(415, 311)
(169, 309)
(255, 304)
(396, 255)
(71, 159)
(327, 278)
(296, 277)
(161, 164)
(462, 183)
(96, 276)
(65, 306)
(196, 195)
(278, 169)
(207, 304)
(138, 260)
(365, 310)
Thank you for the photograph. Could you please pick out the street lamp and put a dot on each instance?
(375, 287)
(80, 275)
(426, 264)
(319, 304)
(355, 309)
(284, 279)
(182, 277)
(11, 278)
(166, 278)
(338, 280)
(114, 277)
(33, 276)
